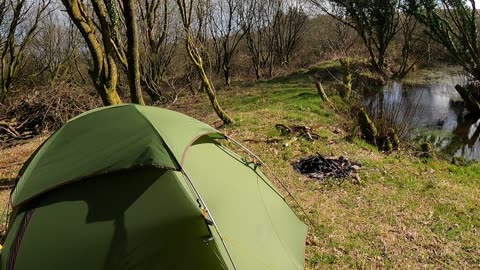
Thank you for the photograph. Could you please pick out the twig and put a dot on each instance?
(270, 140)
(9, 131)
(11, 164)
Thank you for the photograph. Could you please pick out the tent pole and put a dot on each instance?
(250, 153)
(197, 194)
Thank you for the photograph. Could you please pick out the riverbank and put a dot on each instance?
(403, 212)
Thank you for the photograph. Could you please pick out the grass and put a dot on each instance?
(435, 74)
(406, 213)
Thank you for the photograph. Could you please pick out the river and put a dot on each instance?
(434, 113)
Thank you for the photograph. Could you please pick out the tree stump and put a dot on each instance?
(367, 127)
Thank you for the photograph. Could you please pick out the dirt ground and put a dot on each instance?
(11, 160)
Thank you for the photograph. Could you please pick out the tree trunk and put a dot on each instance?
(132, 53)
(196, 59)
(226, 74)
(257, 72)
(471, 103)
(346, 90)
(3, 94)
(323, 95)
(270, 67)
(108, 95)
(369, 131)
(104, 72)
(206, 84)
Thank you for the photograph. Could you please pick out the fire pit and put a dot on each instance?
(320, 167)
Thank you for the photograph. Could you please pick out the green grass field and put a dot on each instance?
(406, 212)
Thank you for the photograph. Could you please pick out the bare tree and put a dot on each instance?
(453, 24)
(55, 48)
(100, 44)
(376, 22)
(19, 19)
(226, 33)
(159, 38)
(257, 24)
(410, 37)
(341, 40)
(106, 46)
(290, 23)
(185, 8)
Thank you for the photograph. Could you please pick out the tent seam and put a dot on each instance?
(12, 256)
(159, 134)
(99, 173)
(189, 145)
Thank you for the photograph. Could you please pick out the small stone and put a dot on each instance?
(355, 167)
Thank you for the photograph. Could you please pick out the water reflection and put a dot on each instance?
(435, 114)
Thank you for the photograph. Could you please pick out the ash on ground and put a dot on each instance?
(321, 168)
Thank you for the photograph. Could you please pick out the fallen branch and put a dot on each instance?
(323, 95)
(270, 140)
(301, 131)
(40, 111)
(9, 131)
(11, 164)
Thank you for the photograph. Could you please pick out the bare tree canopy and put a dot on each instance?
(159, 30)
(226, 32)
(19, 21)
(376, 22)
(289, 25)
(185, 8)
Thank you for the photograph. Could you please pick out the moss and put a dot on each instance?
(392, 135)
(387, 145)
(367, 127)
(429, 75)
(326, 71)
(334, 69)
(427, 150)
(369, 79)
(346, 90)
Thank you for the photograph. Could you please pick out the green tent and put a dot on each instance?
(138, 187)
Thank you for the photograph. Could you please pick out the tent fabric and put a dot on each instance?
(116, 188)
(107, 140)
(148, 222)
(247, 209)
